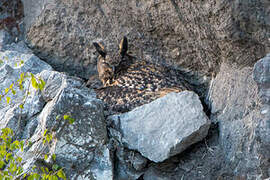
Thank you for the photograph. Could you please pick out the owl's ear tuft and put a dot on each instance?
(123, 46)
(100, 49)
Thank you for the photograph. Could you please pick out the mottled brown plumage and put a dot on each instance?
(134, 82)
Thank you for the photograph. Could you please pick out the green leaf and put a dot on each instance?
(49, 138)
(66, 117)
(71, 120)
(19, 159)
(5, 173)
(34, 81)
(9, 156)
(21, 106)
(45, 132)
(6, 90)
(12, 168)
(21, 62)
(54, 157)
(55, 167)
(30, 143)
(20, 170)
(41, 84)
(21, 86)
(11, 86)
(31, 177)
(57, 117)
(42, 169)
(54, 177)
(2, 164)
(17, 143)
(36, 176)
(21, 145)
(22, 75)
(47, 170)
(10, 131)
(13, 91)
(61, 174)
(12, 147)
(8, 100)
(45, 156)
(43, 176)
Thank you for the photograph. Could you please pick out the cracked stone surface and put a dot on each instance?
(197, 35)
(237, 105)
(80, 147)
(12, 64)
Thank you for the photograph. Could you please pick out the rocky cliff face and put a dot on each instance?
(221, 46)
(196, 35)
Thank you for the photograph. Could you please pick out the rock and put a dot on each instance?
(5, 39)
(203, 160)
(183, 34)
(128, 164)
(152, 174)
(164, 127)
(261, 75)
(240, 29)
(11, 14)
(18, 119)
(235, 106)
(12, 64)
(138, 162)
(20, 47)
(32, 9)
(80, 147)
(30, 128)
(22, 60)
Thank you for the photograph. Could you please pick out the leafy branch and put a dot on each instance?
(10, 162)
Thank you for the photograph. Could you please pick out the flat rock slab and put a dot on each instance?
(164, 127)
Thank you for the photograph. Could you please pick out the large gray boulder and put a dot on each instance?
(198, 35)
(164, 127)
